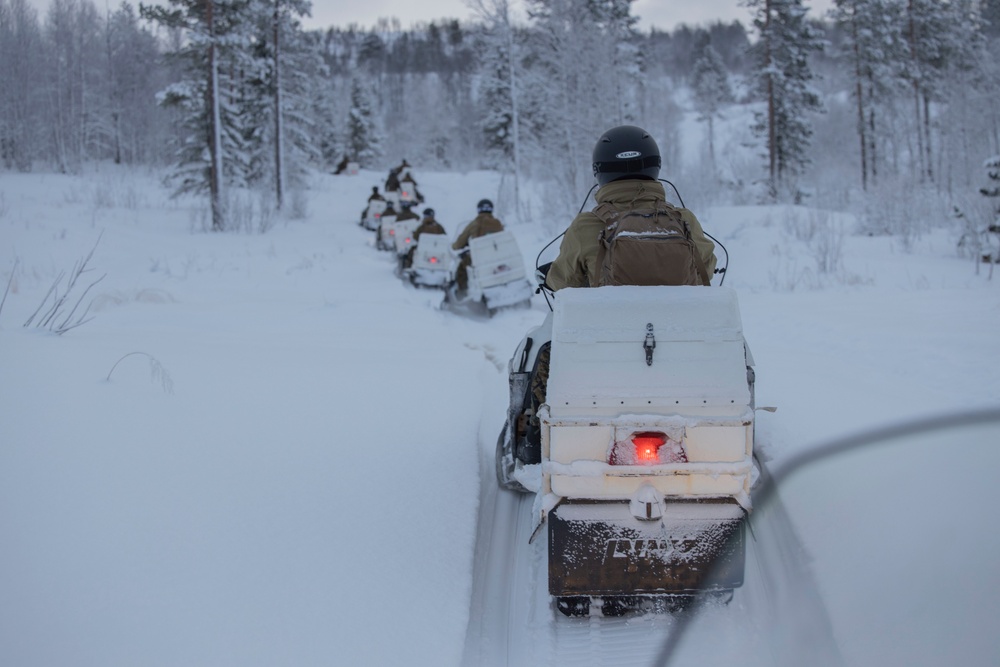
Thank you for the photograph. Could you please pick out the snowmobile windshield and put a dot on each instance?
(875, 549)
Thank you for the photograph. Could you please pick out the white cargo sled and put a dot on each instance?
(497, 277)
(432, 262)
(645, 443)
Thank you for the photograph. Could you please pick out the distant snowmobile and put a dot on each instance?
(497, 277)
(433, 263)
(645, 442)
(372, 217)
(385, 235)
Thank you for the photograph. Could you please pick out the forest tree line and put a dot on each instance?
(879, 95)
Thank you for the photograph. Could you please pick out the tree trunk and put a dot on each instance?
(215, 119)
(278, 166)
(859, 94)
(772, 131)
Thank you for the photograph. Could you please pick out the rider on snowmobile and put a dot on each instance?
(626, 163)
(484, 223)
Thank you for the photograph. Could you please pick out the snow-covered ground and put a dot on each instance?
(266, 450)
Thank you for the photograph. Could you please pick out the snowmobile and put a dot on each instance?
(642, 451)
(432, 264)
(396, 235)
(372, 217)
(497, 277)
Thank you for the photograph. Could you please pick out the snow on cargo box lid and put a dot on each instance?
(645, 349)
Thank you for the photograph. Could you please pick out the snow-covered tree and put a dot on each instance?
(286, 68)
(711, 91)
(783, 80)
(134, 126)
(215, 57)
(583, 79)
(21, 61)
(500, 67)
(73, 87)
(364, 141)
(992, 167)
(873, 45)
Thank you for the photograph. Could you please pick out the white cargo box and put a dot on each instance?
(659, 350)
(433, 253)
(401, 233)
(407, 191)
(496, 259)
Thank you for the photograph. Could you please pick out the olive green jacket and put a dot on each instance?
(483, 224)
(577, 264)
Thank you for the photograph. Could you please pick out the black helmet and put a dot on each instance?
(428, 213)
(374, 189)
(626, 151)
(484, 206)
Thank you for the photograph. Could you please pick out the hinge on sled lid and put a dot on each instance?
(649, 344)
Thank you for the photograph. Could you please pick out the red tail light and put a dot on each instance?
(408, 239)
(647, 448)
(433, 260)
(392, 232)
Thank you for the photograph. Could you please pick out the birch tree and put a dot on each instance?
(21, 59)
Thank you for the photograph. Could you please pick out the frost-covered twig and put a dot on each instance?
(51, 318)
(156, 370)
(10, 281)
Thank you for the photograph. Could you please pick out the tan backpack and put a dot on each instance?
(647, 245)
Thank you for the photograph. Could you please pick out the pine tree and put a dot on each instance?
(286, 67)
(500, 71)
(215, 58)
(364, 141)
(711, 91)
(784, 81)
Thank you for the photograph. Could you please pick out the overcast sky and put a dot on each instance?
(664, 14)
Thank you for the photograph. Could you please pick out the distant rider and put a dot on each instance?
(428, 225)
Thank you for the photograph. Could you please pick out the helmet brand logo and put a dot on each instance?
(626, 155)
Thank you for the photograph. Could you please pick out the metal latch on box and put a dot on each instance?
(649, 344)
